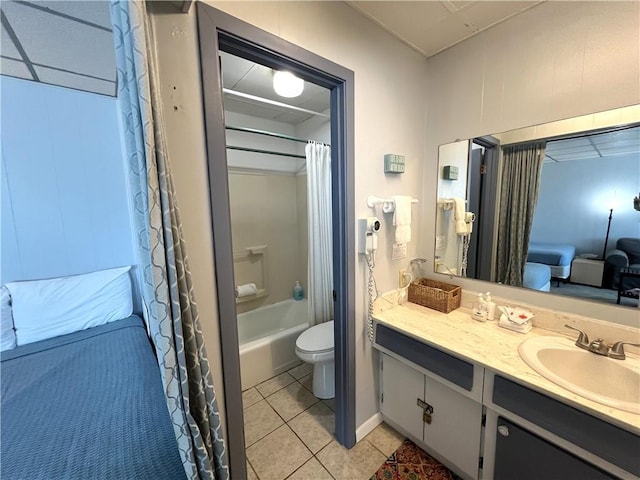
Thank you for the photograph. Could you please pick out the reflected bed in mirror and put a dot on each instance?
(548, 207)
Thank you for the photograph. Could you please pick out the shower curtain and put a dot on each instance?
(320, 233)
(518, 199)
(165, 281)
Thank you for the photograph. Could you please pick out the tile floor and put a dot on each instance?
(289, 434)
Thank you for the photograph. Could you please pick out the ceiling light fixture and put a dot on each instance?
(286, 84)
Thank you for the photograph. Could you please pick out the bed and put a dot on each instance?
(87, 404)
(557, 255)
(537, 276)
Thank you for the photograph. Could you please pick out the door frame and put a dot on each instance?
(220, 31)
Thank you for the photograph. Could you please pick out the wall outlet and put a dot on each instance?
(403, 278)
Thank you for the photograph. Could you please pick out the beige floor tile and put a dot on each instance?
(361, 462)
(278, 455)
(331, 403)
(312, 470)
(315, 426)
(250, 397)
(301, 370)
(385, 439)
(259, 420)
(291, 400)
(307, 382)
(251, 475)
(274, 384)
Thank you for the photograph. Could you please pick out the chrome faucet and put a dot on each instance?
(617, 350)
(599, 347)
(583, 340)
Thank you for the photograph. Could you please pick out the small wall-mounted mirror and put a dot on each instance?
(549, 207)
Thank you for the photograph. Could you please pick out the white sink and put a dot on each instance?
(615, 383)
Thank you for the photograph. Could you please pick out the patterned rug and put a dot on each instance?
(409, 462)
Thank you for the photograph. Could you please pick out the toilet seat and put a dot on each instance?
(317, 339)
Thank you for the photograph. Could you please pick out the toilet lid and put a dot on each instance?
(317, 338)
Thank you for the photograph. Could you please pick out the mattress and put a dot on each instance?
(551, 253)
(537, 276)
(87, 405)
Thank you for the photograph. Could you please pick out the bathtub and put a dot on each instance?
(267, 338)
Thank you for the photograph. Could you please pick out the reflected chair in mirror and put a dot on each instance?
(626, 256)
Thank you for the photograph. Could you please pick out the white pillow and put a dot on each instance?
(7, 333)
(48, 308)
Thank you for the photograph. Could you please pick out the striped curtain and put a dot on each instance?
(521, 168)
(165, 280)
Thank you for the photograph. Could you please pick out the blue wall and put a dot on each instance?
(575, 197)
(64, 205)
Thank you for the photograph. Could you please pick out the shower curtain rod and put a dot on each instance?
(269, 134)
(267, 152)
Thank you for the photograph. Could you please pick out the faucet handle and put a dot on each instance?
(617, 350)
(582, 340)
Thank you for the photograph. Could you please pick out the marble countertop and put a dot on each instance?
(495, 348)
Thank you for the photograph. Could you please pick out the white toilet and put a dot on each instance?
(315, 346)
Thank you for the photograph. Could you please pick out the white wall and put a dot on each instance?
(390, 102)
(64, 193)
(554, 61)
(573, 203)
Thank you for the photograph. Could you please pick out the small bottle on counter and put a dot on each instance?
(491, 306)
(479, 311)
(298, 292)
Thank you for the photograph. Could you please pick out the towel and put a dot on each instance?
(504, 322)
(246, 290)
(459, 215)
(402, 217)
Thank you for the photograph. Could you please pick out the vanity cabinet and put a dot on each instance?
(529, 433)
(521, 454)
(441, 416)
(485, 425)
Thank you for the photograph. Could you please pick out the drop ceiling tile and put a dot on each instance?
(413, 23)
(94, 11)
(249, 108)
(7, 47)
(293, 118)
(233, 69)
(53, 41)
(14, 68)
(77, 82)
(482, 15)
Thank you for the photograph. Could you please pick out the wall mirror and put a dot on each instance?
(551, 207)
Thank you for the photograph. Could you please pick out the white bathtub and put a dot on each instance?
(267, 338)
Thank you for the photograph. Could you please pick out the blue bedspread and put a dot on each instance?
(551, 253)
(89, 405)
(536, 276)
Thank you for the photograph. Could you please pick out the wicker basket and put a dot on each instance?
(440, 296)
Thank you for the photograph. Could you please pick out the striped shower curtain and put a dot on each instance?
(167, 293)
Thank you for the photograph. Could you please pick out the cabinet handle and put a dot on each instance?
(503, 430)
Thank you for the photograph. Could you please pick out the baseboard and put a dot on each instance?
(366, 428)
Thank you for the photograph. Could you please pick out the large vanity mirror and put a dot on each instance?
(551, 207)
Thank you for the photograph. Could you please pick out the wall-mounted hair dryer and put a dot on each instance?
(368, 229)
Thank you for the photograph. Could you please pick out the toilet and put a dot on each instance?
(315, 346)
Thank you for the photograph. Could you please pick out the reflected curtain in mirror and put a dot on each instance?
(520, 182)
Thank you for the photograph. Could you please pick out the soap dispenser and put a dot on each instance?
(479, 311)
(298, 293)
(491, 306)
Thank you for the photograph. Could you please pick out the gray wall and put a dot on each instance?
(574, 201)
